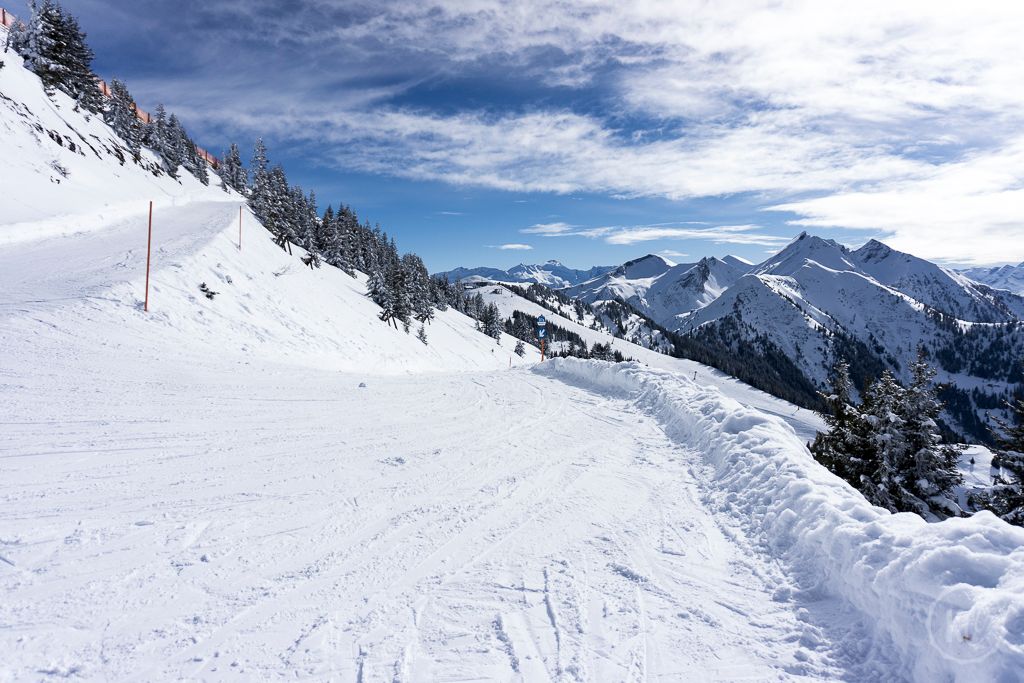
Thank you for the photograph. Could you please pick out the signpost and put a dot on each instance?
(542, 332)
(149, 250)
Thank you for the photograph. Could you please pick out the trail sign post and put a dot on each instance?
(149, 250)
(542, 332)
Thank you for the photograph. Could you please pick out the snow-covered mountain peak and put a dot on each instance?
(738, 262)
(1009, 278)
(807, 248)
(647, 266)
(552, 273)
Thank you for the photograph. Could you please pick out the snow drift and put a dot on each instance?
(949, 596)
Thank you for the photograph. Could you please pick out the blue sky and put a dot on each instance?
(597, 131)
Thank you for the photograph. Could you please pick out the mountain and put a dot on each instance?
(817, 300)
(942, 289)
(551, 274)
(1009, 278)
(660, 289)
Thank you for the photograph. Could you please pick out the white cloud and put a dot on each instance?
(514, 247)
(899, 117)
(550, 229)
(725, 234)
(969, 212)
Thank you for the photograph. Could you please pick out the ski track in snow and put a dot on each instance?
(497, 526)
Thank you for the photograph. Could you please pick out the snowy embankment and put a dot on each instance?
(949, 596)
(805, 422)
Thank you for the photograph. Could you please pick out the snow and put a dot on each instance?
(262, 520)
(949, 597)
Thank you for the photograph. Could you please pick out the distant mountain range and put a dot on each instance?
(663, 290)
(781, 324)
(551, 274)
(816, 301)
(1010, 278)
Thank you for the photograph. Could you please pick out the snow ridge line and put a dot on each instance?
(948, 596)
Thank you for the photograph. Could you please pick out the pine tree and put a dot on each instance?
(1006, 498)
(309, 226)
(931, 466)
(259, 195)
(422, 334)
(490, 320)
(193, 162)
(520, 349)
(82, 80)
(40, 43)
(401, 309)
(120, 114)
(279, 208)
(380, 293)
(54, 48)
(232, 174)
(417, 280)
(845, 447)
(173, 146)
(883, 486)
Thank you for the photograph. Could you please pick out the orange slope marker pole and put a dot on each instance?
(149, 251)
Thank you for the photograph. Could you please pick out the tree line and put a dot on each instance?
(889, 447)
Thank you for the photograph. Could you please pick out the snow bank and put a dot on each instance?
(949, 596)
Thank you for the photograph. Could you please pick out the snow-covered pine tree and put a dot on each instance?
(422, 334)
(174, 146)
(1006, 497)
(232, 174)
(193, 162)
(490, 320)
(280, 209)
(309, 224)
(329, 239)
(120, 115)
(38, 41)
(386, 288)
(54, 48)
(845, 448)
(883, 403)
(931, 471)
(152, 130)
(378, 290)
(260, 191)
(398, 283)
(520, 349)
(82, 80)
(417, 280)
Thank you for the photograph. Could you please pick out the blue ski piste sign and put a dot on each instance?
(542, 333)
